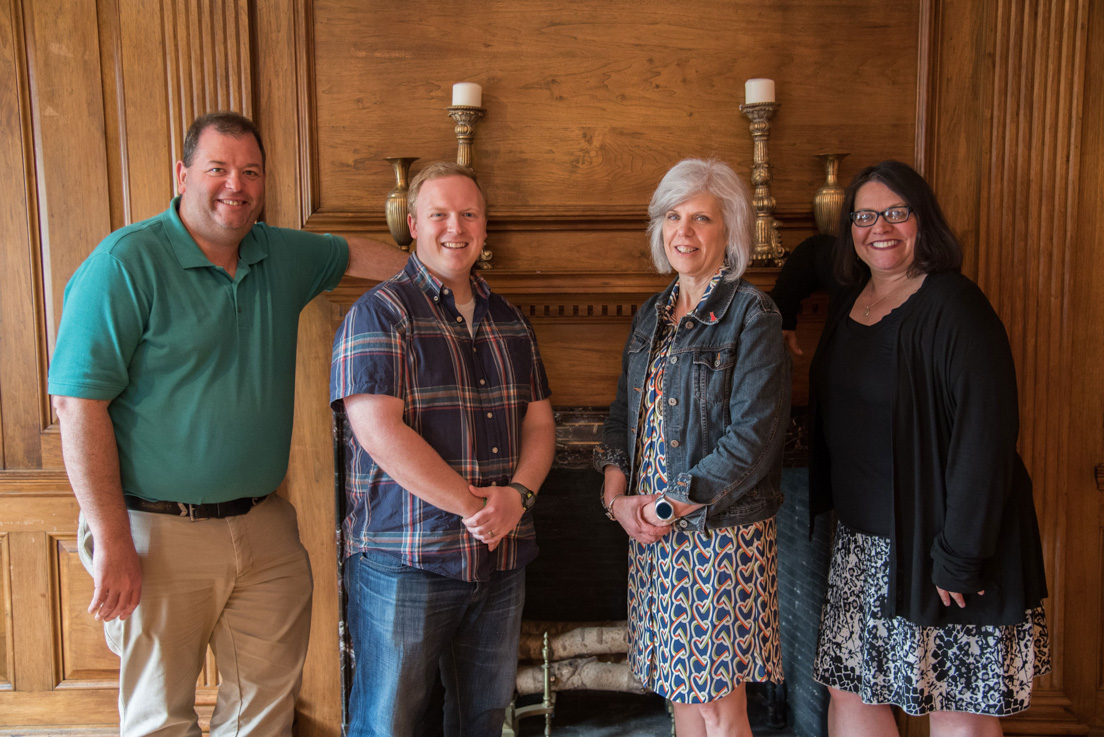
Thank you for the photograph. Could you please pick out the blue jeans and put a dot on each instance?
(408, 624)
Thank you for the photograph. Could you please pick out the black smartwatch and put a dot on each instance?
(528, 497)
(664, 510)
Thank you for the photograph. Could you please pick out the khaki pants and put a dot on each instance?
(241, 584)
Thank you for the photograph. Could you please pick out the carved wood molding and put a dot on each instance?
(35, 482)
(208, 61)
(633, 219)
(566, 295)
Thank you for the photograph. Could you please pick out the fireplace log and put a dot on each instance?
(572, 639)
(579, 674)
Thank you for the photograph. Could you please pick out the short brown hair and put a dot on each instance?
(439, 170)
(229, 123)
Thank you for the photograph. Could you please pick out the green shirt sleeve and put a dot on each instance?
(104, 314)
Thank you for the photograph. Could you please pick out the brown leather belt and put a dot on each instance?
(195, 512)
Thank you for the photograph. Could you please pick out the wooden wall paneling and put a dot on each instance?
(959, 115)
(7, 634)
(208, 61)
(1004, 159)
(115, 119)
(1026, 244)
(594, 139)
(23, 411)
(68, 119)
(62, 674)
(145, 131)
(86, 661)
(1083, 664)
(35, 652)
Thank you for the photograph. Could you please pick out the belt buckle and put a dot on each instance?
(188, 510)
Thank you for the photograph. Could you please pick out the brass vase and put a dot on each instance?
(828, 200)
(396, 208)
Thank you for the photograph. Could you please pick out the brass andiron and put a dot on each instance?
(828, 200)
(466, 117)
(547, 706)
(768, 249)
(396, 208)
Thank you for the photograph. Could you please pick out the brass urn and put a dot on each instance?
(828, 200)
(396, 207)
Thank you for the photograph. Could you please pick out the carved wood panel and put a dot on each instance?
(86, 661)
(7, 634)
(1005, 158)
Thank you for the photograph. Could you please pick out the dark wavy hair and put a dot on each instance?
(937, 248)
(227, 123)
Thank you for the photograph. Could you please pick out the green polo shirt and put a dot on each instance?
(199, 366)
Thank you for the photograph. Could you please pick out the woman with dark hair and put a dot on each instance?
(936, 583)
(692, 458)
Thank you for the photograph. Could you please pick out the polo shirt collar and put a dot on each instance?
(191, 256)
(433, 286)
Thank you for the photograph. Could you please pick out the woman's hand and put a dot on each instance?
(946, 596)
(790, 336)
(636, 514)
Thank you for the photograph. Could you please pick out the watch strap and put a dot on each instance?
(528, 496)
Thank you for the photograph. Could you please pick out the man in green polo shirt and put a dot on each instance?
(173, 380)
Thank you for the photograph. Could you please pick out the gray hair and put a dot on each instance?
(692, 177)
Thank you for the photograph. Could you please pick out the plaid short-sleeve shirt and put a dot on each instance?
(465, 396)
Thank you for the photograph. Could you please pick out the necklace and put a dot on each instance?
(869, 305)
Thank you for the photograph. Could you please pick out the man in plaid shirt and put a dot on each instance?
(451, 435)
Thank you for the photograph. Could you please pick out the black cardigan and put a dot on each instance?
(964, 517)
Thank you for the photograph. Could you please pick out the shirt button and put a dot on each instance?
(445, 290)
(674, 443)
(674, 359)
(689, 325)
(683, 523)
(672, 401)
(490, 414)
(716, 362)
(459, 318)
(494, 450)
(436, 298)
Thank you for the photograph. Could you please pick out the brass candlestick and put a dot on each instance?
(466, 117)
(768, 241)
(396, 207)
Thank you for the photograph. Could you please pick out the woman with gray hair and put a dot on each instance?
(692, 458)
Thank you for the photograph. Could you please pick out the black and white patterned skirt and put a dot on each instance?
(968, 668)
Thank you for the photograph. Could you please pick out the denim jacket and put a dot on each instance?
(726, 405)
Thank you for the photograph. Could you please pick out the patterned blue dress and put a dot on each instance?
(703, 607)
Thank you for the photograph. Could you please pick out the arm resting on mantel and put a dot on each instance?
(375, 260)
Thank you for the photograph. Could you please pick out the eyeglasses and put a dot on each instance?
(867, 218)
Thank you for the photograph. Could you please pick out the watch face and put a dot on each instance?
(664, 510)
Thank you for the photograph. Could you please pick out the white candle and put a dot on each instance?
(467, 93)
(758, 90)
